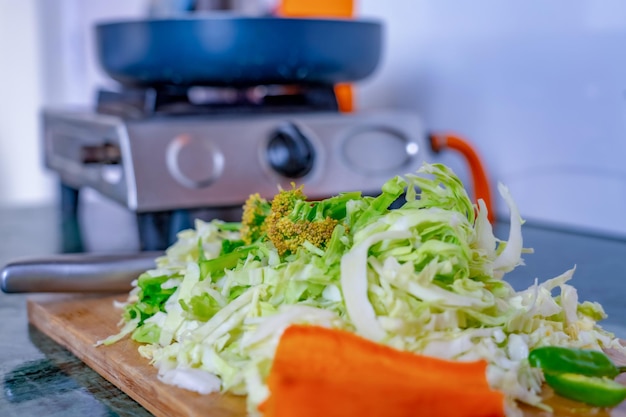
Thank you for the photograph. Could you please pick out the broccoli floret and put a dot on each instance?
(288, 235)
(285, 201)
(255, 211)
(288, 225)
(290, 220)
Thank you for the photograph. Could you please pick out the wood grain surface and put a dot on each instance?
(77, 322)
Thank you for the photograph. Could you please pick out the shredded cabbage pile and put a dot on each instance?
(425, 277)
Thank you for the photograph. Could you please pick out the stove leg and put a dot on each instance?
(181, 220)
(157, 231)
(71, 239)
(154, 230)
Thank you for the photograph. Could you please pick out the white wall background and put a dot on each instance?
(21, 177)
(539, 87)
(46, 59)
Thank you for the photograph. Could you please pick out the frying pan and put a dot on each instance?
(222, 49)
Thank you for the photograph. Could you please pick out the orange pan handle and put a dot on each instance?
(319, 8)
(480, 182)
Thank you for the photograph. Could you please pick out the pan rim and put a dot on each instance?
(233, 17)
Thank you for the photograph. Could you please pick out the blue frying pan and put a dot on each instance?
(216, 49)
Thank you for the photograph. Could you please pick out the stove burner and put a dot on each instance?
(177, 101)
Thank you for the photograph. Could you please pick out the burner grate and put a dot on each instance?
(177, 101)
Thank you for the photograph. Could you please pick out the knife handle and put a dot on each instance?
(77, 272)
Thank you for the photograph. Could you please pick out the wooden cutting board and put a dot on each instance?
(77, 322)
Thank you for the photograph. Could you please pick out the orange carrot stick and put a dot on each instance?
(393, 400)
(315, 350)
(319, 371)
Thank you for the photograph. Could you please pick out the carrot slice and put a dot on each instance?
(319, 371)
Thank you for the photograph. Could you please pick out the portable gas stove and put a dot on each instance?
(160, 164)
(174, 140)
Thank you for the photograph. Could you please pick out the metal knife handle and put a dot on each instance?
(77, 272)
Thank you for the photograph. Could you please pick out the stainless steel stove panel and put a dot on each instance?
(190, 162)
(68, 136)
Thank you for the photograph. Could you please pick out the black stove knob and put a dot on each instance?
(290, 152)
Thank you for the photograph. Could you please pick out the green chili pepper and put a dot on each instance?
(592, 390)
(555, 359)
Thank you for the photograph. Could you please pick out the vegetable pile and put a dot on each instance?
(426, 278)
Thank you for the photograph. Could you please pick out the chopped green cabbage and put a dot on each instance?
(426, 277)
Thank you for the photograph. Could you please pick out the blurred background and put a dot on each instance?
(539, 88)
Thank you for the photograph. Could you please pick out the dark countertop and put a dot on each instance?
(39, 378)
